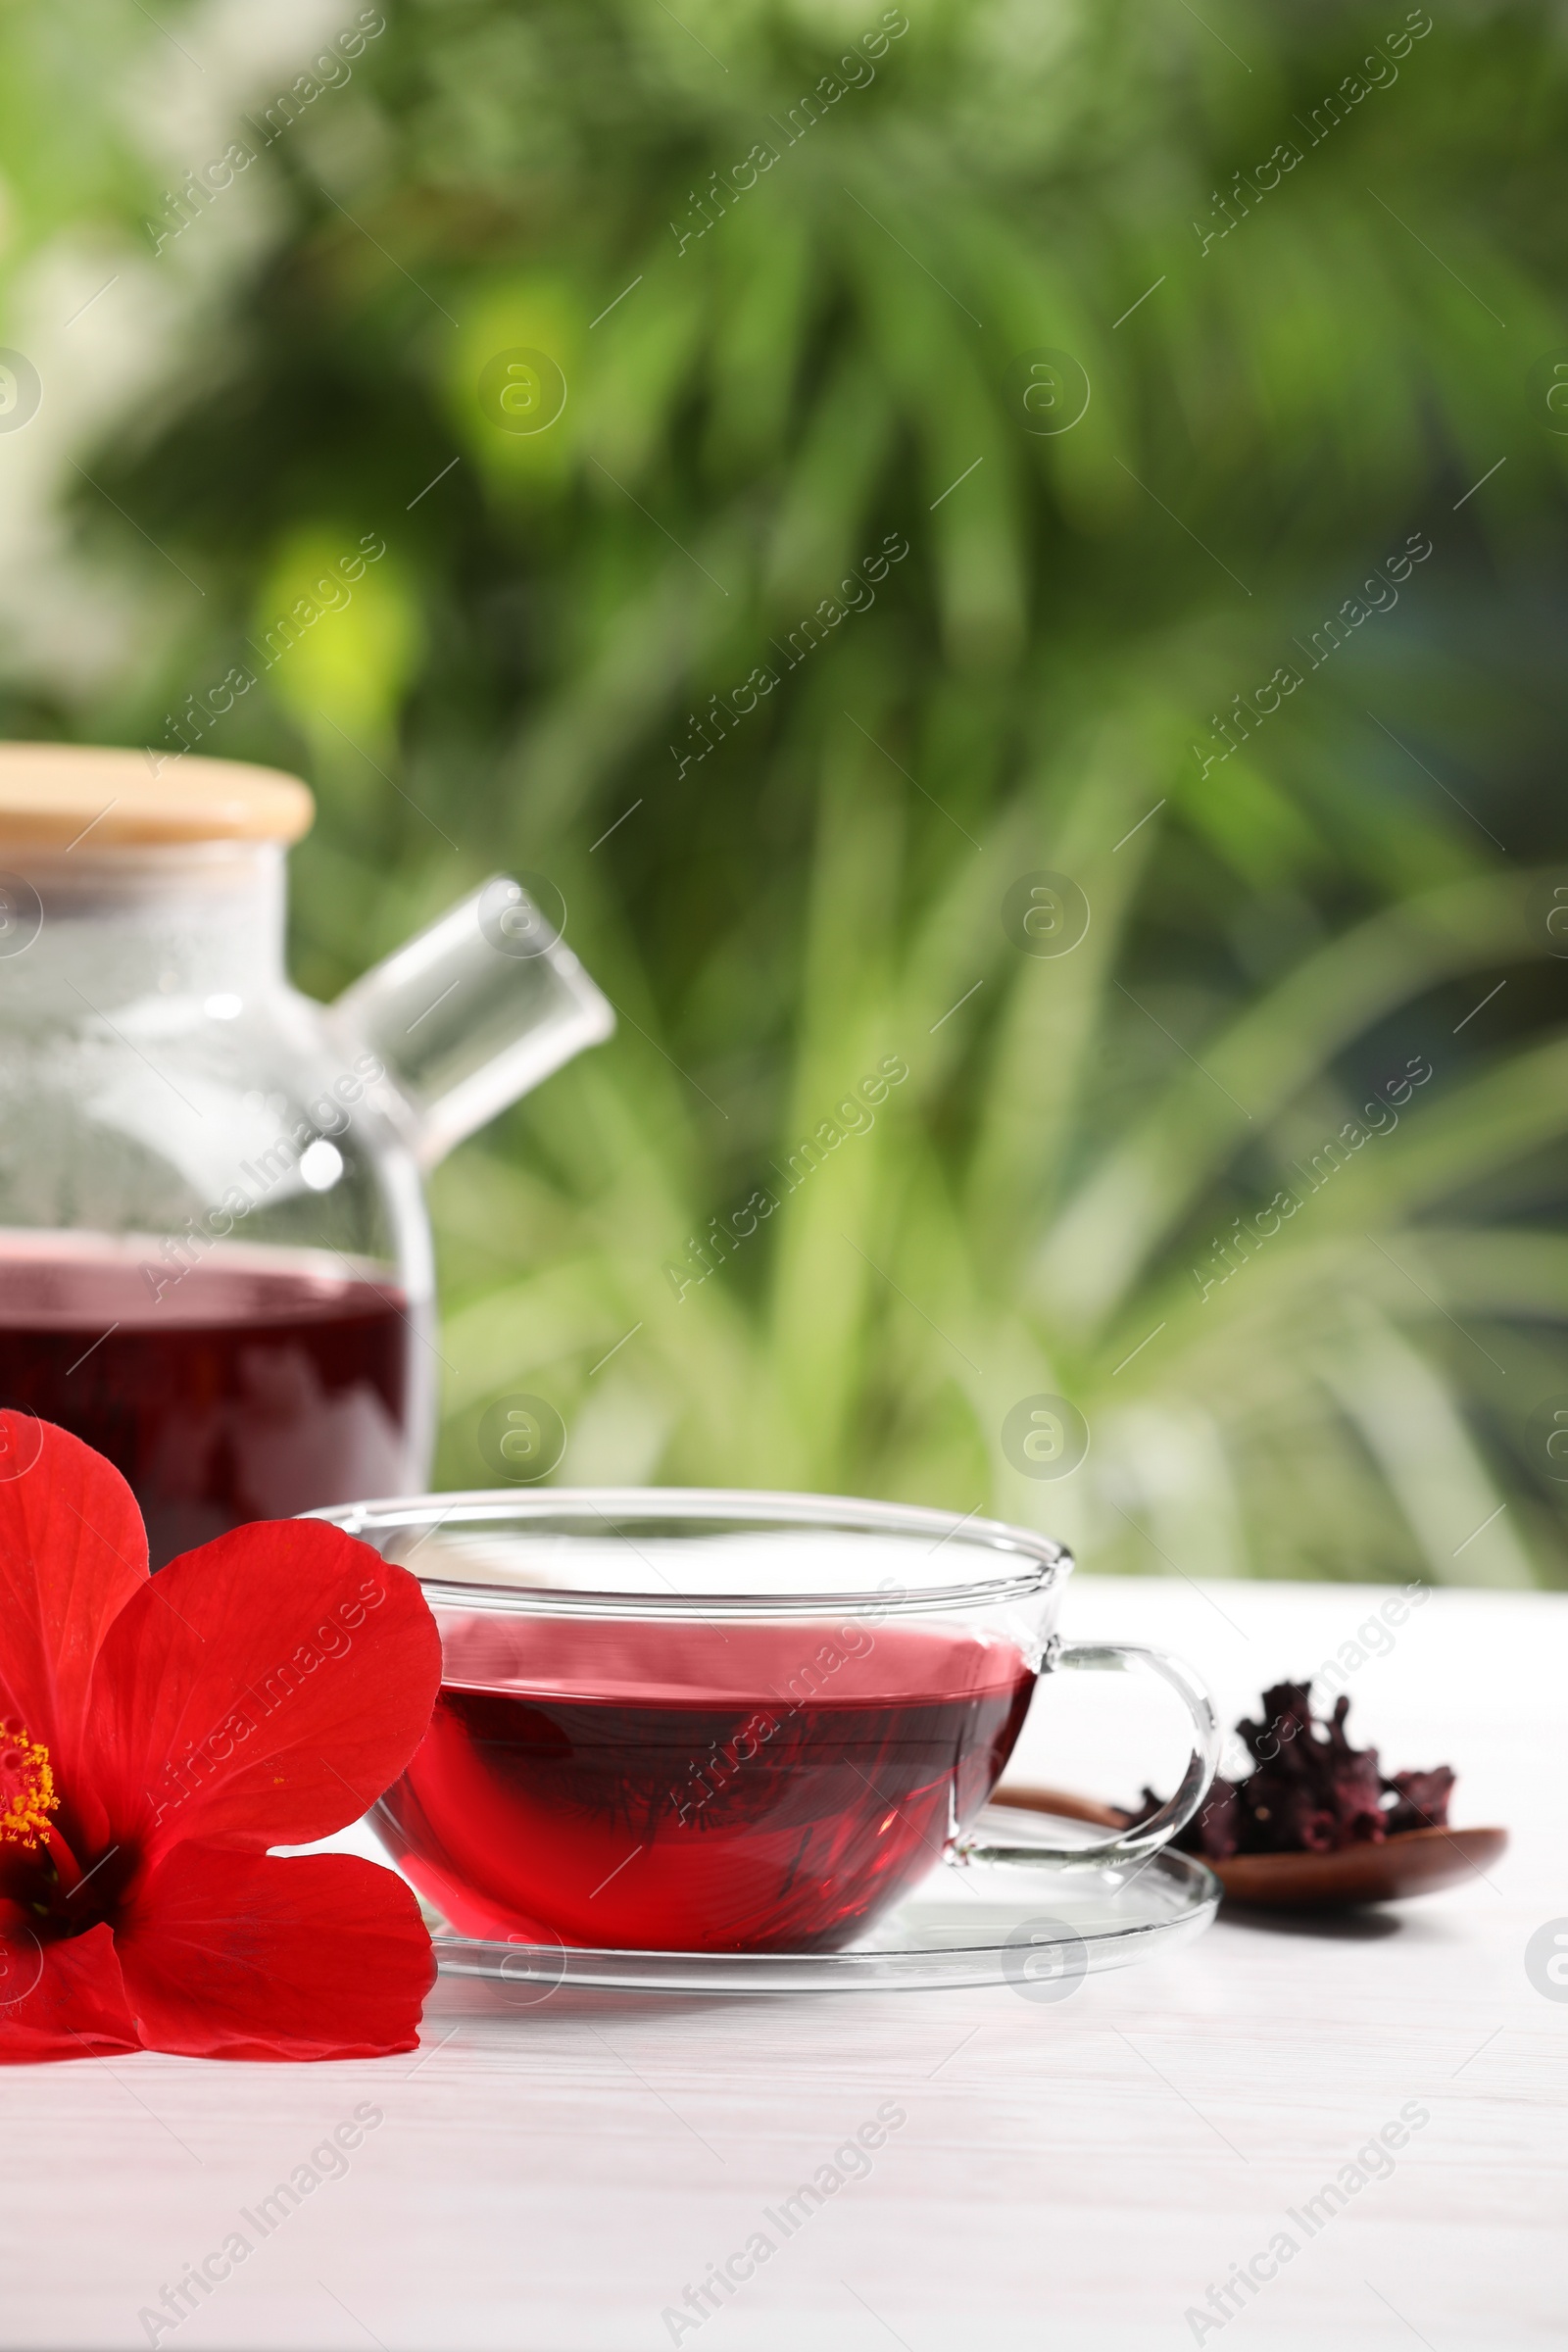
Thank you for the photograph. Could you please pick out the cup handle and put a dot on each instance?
(1128, 1845)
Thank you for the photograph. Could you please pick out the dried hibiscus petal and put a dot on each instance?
(1309, 1790)
(1420, 1800)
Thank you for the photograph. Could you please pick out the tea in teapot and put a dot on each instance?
(215, 1263)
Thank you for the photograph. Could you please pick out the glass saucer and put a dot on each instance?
(1038, 1926)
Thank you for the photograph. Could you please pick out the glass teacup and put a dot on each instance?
(683, 1720)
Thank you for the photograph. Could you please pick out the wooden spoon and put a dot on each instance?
(1412, 1862)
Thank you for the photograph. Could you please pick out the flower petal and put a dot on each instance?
(61, 2000)
(73, 1553)
(263, 1690)
(232, 1955)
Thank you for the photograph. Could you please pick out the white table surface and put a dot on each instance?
(1073, 2174)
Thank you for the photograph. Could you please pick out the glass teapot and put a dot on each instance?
(215, 1261)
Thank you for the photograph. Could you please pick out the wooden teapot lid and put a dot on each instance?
(55, 795)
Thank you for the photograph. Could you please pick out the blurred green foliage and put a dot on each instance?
(773, 368)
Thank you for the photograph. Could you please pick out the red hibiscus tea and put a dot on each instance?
(259, 1384)
(696, 1785)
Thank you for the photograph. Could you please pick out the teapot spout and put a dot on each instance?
(472, 1013)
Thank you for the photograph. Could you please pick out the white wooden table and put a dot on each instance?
(1073, 2174)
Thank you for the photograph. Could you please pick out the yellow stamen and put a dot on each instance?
(28, 1794)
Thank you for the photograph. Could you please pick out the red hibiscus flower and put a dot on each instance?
(157, 1736)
